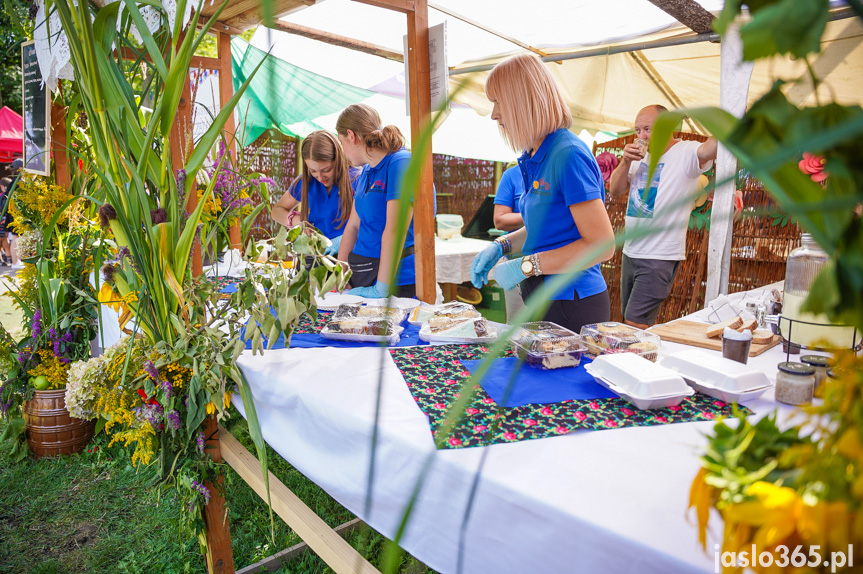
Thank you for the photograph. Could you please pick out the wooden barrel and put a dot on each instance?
(51, 431)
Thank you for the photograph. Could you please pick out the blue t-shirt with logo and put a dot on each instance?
(375, 186)
(510, 189)
(561, 173)
(325, 210)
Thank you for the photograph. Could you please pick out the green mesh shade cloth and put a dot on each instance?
(282, 96)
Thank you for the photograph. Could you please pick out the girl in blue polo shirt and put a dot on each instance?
(370, 234)
(324, 189)
(507, 214)
(564, 202)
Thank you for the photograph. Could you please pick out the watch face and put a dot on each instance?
(527, 266)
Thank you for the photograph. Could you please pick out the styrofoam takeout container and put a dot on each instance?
(639, 381)
(713, 371)
(450, 336)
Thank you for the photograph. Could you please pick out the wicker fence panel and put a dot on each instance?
(274, 155)
(462, 184)
(759, 248)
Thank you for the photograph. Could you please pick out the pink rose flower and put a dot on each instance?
(465, 373)
(509, 436)
(719, 404)
(428, 391)
(580, 415)
(457, 395)
(610, 424)
(546, 411)
(593, 405)
(607, 162)
(432, 358)
(708, 415)
(561, 430)
(529, 422)
(447, 352)
(660, 419)
(441, 369)
(627, 412)
(440, 406)
(409, 356)
(675, 409)
(479, 428)
(488, 401)
(455, 441)
(471, 410)
(813, 166)
(423, 378)
(449, 382)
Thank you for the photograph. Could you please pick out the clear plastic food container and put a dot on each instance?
(391, 314)
(363, 329)
(711, 370)
(442, 317)
(639, 381)
(546, 345)
(612, 337)
(476, 330)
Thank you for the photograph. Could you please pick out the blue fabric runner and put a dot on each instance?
(409, 338)
(536, 386)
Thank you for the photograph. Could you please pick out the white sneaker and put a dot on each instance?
(18, 265)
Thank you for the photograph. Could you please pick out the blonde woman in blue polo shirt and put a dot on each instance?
(324, 190)
(370, 234)
(564, 202)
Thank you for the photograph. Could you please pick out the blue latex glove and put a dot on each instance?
(509, 274)
(377, 291)
(482, 264)
(334, 248)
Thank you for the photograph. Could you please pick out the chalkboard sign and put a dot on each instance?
(37, 126)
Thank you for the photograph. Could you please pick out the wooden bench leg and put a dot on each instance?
(323, 540)
(220, 555)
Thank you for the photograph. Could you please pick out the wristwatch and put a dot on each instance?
(527, 266)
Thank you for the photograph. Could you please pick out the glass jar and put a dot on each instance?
(820, 365)
(795, 383)
(804, 264)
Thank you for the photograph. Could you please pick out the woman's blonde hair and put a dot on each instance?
(529, 99)
(365, 122)
(323, 146)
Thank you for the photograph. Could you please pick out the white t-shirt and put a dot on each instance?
(664, 209)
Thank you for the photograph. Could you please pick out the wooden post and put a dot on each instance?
(220, 555)
(226, 91)
(420, 105)
(59, 145)
(179, 141)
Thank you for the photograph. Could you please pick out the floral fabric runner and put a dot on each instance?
(434, 376)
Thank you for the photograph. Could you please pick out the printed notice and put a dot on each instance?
(36, 115)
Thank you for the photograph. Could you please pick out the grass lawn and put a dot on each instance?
(94, 512)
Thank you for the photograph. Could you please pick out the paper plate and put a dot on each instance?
(331, 301)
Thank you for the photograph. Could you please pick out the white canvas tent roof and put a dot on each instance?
(605, 92)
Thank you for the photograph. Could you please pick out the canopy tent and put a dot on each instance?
(296, 102)
(11, 134)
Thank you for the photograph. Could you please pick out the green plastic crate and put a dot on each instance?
(493, 306)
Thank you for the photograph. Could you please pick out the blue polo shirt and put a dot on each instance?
(375, 186)
(561, 173)
(510, 189)
(324, 208)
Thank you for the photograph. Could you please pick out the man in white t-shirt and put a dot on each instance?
(658, 214)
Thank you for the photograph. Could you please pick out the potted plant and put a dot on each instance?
(59, 307)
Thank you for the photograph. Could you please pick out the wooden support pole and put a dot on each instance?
(59, 145)
(180, 142)
(420, 106)
(337, 40)
(220, 555)
(326, 543)
(226, 91)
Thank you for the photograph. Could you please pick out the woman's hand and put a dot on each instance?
(483, 263)
(509, 274)
(377, 291)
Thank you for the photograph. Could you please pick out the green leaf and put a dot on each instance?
(785, 27)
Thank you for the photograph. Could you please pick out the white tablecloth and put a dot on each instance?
(453, 258)
(602, 501)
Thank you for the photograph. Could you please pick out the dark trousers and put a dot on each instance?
(364, 273)
(571, 313)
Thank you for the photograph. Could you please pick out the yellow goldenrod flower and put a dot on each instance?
(228, 400)
(211, 408)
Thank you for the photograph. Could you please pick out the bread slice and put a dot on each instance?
(762, 337)
(748, 324)
(715, 331)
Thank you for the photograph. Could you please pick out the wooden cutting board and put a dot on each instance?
(693, 333)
